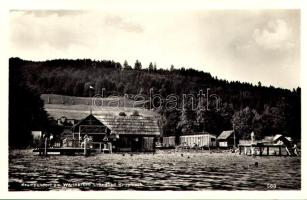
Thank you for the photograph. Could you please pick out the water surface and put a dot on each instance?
(162, 171)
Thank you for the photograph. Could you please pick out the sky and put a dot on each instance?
(244, 45)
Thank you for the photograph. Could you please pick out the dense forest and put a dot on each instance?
(242, 106)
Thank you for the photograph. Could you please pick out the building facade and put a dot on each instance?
(198, 140)
(227, 139)
(120, 133)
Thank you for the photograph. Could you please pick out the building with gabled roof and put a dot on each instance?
(227, 139)
(126, 133)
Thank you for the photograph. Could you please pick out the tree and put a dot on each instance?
(200, 115)
(257, 125)
(274, 121)
(172, 68)
(150, 67)
(243, 122)
(282, 113)
(26, 109)
(88, 89)
(118, 66)
(121, 88)
(137, 65)
(187, 120)
(26, 113)
(78, 88)
(169, 121)
(155, 67)
(126, 65)
(210, 121)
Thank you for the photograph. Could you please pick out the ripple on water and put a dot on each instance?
(201, 171)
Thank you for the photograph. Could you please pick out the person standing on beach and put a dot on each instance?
(252, 138)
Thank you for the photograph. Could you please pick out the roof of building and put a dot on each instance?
(128, 125)
(131, 125)
(276, 137)
(268, 139)
(279, 137)
(199, 134)
(69, 114)
(225, 135)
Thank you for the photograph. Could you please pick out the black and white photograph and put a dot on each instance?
(154, 99)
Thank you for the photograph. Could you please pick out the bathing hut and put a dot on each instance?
(227, 139)
(203, 139)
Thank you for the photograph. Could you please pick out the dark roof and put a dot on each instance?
(131, 125)
(225, 134)
(281, 137)
(206, 135)
(69, 114)
(198, 134)
(122, 125)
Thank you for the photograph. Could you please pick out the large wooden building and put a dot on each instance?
(122, 133)
(132, 133)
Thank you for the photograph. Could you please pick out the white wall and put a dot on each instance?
(200, 140)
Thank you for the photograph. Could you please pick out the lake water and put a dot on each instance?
(162, 171)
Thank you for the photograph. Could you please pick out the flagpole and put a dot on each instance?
(91, 100)
(234, 135)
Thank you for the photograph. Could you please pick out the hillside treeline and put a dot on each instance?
(242, 106)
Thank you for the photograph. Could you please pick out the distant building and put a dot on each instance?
(227, 139)
(282, 140)
(268, 140)
(199, 140)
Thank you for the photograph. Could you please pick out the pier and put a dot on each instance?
(64, 151)
(265, 150)
(75, 147)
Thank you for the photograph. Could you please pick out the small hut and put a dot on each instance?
(227, 139)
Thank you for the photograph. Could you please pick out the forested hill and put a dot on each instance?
(264, 110)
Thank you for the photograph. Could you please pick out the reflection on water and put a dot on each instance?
(192, 171)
